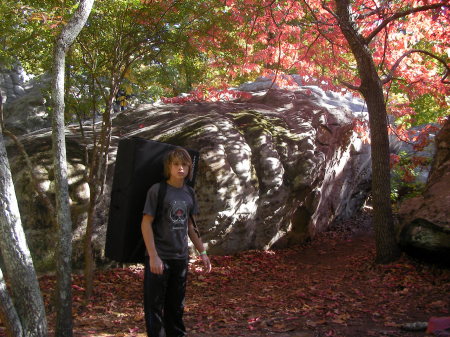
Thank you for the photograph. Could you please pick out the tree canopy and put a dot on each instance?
(408, 41)
(184, 44)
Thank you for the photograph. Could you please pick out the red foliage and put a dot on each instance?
(276, 37)
(362, 128)
(394, 160)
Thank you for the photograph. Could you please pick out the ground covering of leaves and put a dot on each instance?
(328, 287)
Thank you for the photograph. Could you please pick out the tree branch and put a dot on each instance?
(349, 85)
(401, 14)
(409, 52)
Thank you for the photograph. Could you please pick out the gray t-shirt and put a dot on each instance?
(171, 231)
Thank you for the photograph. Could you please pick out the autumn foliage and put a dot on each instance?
(408, 41)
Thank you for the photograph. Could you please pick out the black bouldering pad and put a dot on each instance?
(139, 165)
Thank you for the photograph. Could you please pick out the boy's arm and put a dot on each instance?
(198, 244)
(156, 265)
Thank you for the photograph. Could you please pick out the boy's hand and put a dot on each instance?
(156, 265)
(206, 263)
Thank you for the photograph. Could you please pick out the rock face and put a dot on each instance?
(425, 220)
(25, 104)
(274, 170)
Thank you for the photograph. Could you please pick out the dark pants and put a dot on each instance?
(164, 299)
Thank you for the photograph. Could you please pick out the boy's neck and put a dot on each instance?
(178, 183)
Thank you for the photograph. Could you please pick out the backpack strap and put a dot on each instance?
(191, 216)
(160, 201)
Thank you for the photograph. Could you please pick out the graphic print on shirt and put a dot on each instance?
(178, 214)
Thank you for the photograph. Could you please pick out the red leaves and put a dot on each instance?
(250, 38)
(293, 289)
(394, 160)
(75, 287)
(362, 128)
(327, 288)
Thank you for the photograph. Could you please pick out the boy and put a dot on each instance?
(167, 247)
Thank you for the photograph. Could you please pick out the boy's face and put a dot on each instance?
(179, 169)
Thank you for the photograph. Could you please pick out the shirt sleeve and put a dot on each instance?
(151, 200)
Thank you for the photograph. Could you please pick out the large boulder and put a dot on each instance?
(425, 220)
(274, 170)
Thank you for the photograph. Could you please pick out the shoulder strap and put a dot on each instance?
(191, 191)
(160, 201)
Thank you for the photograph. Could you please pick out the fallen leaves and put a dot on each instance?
(327, 288)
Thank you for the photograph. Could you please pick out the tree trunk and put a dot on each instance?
(386, 245)
(64, 246)
(97, 176)
(371, 88)
(8, 314)
(26, 295)
(89, 263)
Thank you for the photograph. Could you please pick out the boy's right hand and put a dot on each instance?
(156, 265)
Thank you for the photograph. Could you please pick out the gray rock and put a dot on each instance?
(266, 83)
(26, 110)
(8, 82)
(261, 83)
(19, 90)
(425, 220)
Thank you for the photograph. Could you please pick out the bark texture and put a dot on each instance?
(8, 313)
(371, 89)
(64, 268)
(26, 295)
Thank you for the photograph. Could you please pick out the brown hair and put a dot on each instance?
(177, 154)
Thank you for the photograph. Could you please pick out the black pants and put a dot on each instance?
(164, 299)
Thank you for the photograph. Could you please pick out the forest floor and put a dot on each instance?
(328, 287)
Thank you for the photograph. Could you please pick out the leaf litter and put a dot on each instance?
(328, 287)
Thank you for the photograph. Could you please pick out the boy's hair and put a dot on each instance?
(177, 154)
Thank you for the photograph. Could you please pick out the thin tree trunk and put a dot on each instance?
(26, 294)
(8, 314)
(96, 180)
(371, 88)
(64, 246)
(89, 263)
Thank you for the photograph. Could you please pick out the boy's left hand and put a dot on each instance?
(206, 263)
